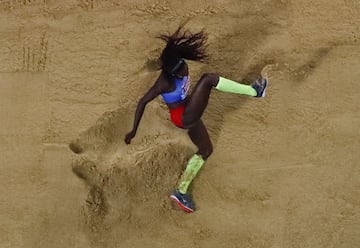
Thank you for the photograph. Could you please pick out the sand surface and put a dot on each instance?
(285, 169)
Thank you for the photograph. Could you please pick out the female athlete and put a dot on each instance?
(186, 109)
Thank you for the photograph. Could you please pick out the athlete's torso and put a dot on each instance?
(181, 91)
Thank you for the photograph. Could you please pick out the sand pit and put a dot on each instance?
(284, 172)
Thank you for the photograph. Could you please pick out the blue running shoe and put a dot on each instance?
(260, 86)
(184, 201)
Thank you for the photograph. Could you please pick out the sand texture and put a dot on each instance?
(285, 170)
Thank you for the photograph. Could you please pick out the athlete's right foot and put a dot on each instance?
(260, 86)
(183, 201)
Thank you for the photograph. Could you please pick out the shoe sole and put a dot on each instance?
(264, 91)
(180, 205)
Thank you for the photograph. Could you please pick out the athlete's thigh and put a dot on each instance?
(199, 98)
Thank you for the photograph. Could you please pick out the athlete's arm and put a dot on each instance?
(153, 92)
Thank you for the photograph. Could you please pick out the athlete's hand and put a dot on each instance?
(129, 136)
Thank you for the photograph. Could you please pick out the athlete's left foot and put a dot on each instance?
(260, 86)
(184, 201)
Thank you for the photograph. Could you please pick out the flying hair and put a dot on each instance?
(183, 44)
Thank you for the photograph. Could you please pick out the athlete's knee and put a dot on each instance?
(209, 79)
(188, 121)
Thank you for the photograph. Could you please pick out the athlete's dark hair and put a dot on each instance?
(182, 44)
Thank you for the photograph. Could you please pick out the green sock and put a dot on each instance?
(194, 165)
(227, 85)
